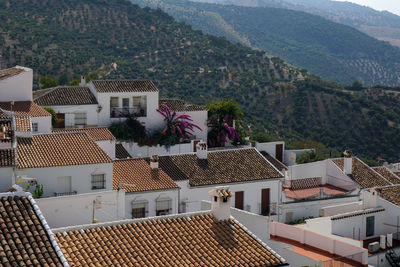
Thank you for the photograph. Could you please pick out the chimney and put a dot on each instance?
(201, 150)
(369, 199)
(83, 81)
(348, 162)
(221, 202)
(154, 162)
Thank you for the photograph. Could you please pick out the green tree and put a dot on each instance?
(54, 119)
(47, 82)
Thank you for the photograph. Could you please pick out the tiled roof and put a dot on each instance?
(120, 152)
(24, 240)
(279, 165)
(134, 175)
(22, 123)
(200, 240)
(363, 175)
(314, 191)
(179, 105)
(4, 115)
(121, 86)
(65, 95)
(6, 157)
(390, 176)
(50, 150)
(25, 108)
(391, 194)
(7, 73)
(228, 166)
(96, 133)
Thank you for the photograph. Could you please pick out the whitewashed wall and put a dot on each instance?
(151, 197)
(78, 209)
(70, 110)
(308, 170)
(392, 218)
(193, 196)
(80, 177)
(146, 151)
(44, 124)
(257, 224)
(341, 208)
(298, 210)
(108, 146)
(18, 87)
(5, 178)
(270, 148)
(336, 177)
(199, 118)
(355, 226)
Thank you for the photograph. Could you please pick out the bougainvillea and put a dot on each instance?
(177, 126)
(221, 131)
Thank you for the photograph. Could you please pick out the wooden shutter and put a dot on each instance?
(239, 200)
(265, 201)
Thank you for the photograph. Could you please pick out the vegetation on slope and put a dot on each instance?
(117, 40)
(333, 51)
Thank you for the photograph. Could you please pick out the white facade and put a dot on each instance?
(146, 151)
(200, 119)
(271, 148)
(43, 124)
(191, 197)
(108, 146)
(70, 112)
(149, 199)
(6, 174)
(79, 209)
(70, 179)
(17, 87)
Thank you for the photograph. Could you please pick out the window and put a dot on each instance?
(98, 181)
(136, 101)
(80, 118)
(370, 226)
(163, 207)
(35, 127)
(114, 102)
(139, 209)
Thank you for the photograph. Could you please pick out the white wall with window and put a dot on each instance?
(151, 203)
(69, 111)
(18, 87)
(43, 124)
(80, 119)
(74, 179)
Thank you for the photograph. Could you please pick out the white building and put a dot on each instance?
(255, 181)
(64, 163)
(149, 190)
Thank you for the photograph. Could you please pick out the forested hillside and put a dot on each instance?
(333, 51)
(116, 39)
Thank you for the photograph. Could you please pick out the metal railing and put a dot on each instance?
(65, 194)
(126, 112)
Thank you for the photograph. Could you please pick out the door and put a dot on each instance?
(125, 106)
(60, 120)
(63, 184)
(265, 201)
(370, 229)
(279, 152)
(239, 200)
(195, 144)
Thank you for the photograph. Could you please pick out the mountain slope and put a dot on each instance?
(333, 51)
(119, 40)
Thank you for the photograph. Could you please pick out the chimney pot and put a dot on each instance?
(348, 162)
(221, 202)
(154, 162)
(83, 81)
(201, 149)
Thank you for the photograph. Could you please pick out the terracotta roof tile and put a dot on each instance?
(391, 194)
(7, 73)
(96, 133)
(25, 108)
(198, 241)
(390, 176)
(7, 157)
(363, 175)
(134, 175)
(117, 86)
(279, 165)
(179, 105)
(49, 150)
(23, 238)
(220, 167)
(65, 95)
(120, 152)
(22, 123)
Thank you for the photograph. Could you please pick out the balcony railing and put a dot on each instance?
(65, 194)
(126, 112)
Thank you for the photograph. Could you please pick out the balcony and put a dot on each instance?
(65, 194)
(126, 112)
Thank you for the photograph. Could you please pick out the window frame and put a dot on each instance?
(77, 118)
(93, 183)
(35, 127)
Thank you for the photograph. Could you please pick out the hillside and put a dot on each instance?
(333, 51)
(382, 25)
(119, 40)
